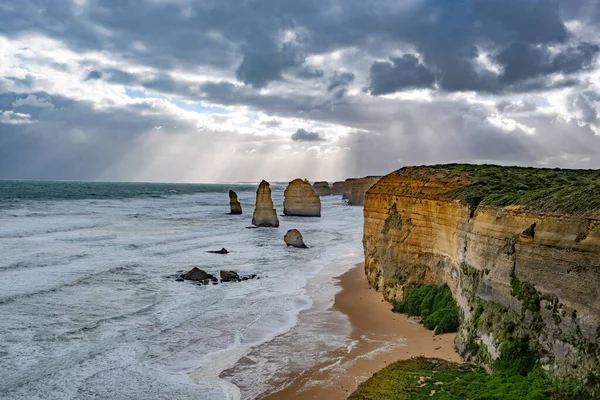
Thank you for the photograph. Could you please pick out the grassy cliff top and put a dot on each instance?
(539, 189)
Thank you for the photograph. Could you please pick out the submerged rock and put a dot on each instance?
(300, 199)
(196, 274)
(293, 237)
(264, 212)
(222, 251)
(322, 188)
(229, 276)
(234, 204)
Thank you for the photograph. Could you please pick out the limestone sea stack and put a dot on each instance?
(337, 188)
(293, 237)
(301, 199)
(347, 191)
(359, 188)
(264, 212)
(322, 188)
(236, 207)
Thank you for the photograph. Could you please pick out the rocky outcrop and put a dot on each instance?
(264, 212)
(300, 199)
(337, 188)
(229, 276)
(293, 237)
(322, 188)
(512, 268)
(198, 275)
(347, 191)
(358, 189)
(222, 251)
(234, 204)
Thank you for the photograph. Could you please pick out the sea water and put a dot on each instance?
(88, 311)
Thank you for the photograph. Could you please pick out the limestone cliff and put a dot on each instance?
(515, 268)
(347, 191)
(337, 188)
(322, 188)
(264, 212)
(358, 189)
(300, 199)
(234, 204)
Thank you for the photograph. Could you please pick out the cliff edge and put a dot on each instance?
(519, 248)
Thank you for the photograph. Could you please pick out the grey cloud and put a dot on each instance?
(402, 73)
(305, 136)
(340, 79)
(93, 76)
(307, 72)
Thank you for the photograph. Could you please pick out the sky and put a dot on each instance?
(243, 90)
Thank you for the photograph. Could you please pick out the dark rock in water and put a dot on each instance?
(179, 279)
(293, 237)
(222, 251)
(196, 274)
(229, 276)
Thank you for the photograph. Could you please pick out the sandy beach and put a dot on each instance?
(380, 337)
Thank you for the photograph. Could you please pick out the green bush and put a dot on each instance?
(434, 304)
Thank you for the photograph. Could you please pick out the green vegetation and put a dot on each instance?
(434, 304)
(422, 378)
(541, 189)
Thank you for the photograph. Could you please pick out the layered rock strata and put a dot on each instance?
(512, 270)
(293, 237)
(234, 204)
(300, 199)
(347, 191)
(337, 188)
(358, 189)
(322, 188)
(264, 212)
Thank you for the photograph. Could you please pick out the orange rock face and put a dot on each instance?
(358, 188)
(539, 272)
(234, 204)
(300, 199)
(337, 188)
(264, 212)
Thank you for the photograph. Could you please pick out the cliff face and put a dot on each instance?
(358, 189)
(509, 268)
(264, 212)
(347, 190)
(301, 199)
(234, 204)
(337, 188)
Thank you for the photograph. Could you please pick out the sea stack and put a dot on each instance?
(236, 207)
(264, 212)
(293, 237)
(322, 188)
(337, 188)
(301, 199)
(348, 188)
(359, 189)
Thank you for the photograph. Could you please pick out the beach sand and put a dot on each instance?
(380, 336)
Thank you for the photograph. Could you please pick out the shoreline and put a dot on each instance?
(380, 337)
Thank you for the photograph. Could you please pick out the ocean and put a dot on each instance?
(88, 310)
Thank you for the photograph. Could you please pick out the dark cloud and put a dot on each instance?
(340, 79)
(402, 73)
(302, 135)
(93, 76)
(307, 72)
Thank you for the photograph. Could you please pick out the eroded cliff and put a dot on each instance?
(531, 269)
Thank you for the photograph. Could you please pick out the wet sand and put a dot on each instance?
(380, 337)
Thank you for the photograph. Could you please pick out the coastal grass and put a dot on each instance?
(541, 189)
(434, 304)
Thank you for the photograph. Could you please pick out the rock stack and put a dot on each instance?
(359, 188)
(236, 207)
(322, 188)
(264, 212)
(347, 192)
(301, 199)
(337, 188)
(293, 237)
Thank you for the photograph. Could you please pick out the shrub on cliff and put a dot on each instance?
(434, 304)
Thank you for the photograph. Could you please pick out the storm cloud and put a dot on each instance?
(86, 86)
